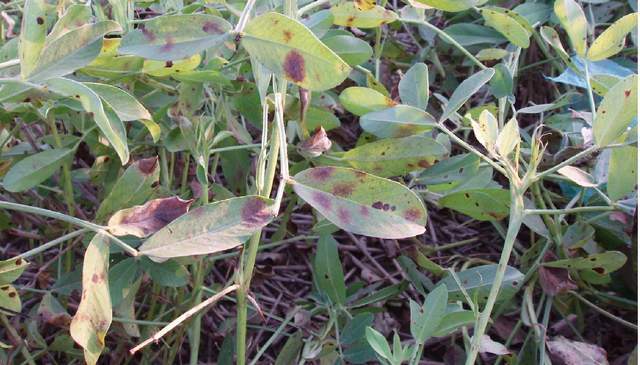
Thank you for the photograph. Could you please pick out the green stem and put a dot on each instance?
(604, 312)
(52, 243)
(570, 210)
(471, 149)
(447, 37)
(311, 6)
(566, 162)
(10, 63)
(515, 221)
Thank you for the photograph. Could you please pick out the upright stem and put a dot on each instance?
(515, 221)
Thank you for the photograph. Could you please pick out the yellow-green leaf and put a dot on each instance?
(11, 269)
(92, 320)
(362, 100)
(573, 20)
(10, 302)
(611, 41)
(505, 23)
(399, 121)
(289, 49)
(618, 107)
(167, 68)
(348, 15)
(32, 34)
(623, 172)
(449, 5)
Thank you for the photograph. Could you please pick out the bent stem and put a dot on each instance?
(515, 221)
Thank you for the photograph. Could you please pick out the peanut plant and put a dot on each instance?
(174, 144)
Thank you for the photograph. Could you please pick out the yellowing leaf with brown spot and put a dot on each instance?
(167, 68)
(573, 20)
(143, 220)
(348, 15)
(92, 319)
(290, 50)
(611, 41)
(365, 4)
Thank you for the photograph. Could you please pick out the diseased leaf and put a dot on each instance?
(618, 107)
(52, 312)
(362, 100)
(396, 156)
(573, 20)
(623, 172)
(553, 280)
(578, 176)
(348, 15)
(465, 90)
(35, 169)
(481, 204)
(477, 282)
(504, 22)
(133, 187)
(123, 104)
(414, 86)
(601, 263)
(143, 220)
(489, 346)
(11, 269)
(32, 34)
(450, 172)
(570, 352)
(508, 138)
(486, 130)
(328, 270)
(399, 121)
(293, 52)
(71, 51)
(74, 17)
(112, 128)
(174, 37)
(92, 320)
(210, 228)
(611, 41)
(171, 68)
(361, 203)
(10, 302)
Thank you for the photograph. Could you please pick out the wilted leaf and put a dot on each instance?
(348, 15)
(489, 346)
(35, 169)
(399, 121)
(143, 220)
(486, 130)
(210, 228)
(174, 37)
(508, 138)
(553, 280)
(52, 312)
(578, 176)
(91, 322)
(11, 269)
(315, 145)
(568, 352)
(361, 203)
(293, 52)
(133, 187)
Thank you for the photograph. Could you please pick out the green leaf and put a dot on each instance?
(32, 34)
(396, 156)
(508, 138)
(121, 277)
(361, 203)
(504, 22)
(611, 41)
(362, 100)
(210, 228)
(449, 5)
(601, 263)
(618, 107)
(477, 282)
(573, 20)
(112, 127)
(348, 15)
(354, 51)
(132, 188)
(425, 320)
(289, 49)
(553, 39)
(486, 130)
(11, 269)
(169, 273)
(124, 104)
(465, 90)
(91, 322)
(378, 343)
(354, 330)
(327, 270)
(502, 82)
(448, 173)
(414, 86)
(623, 172)
(468, 34)
(174, 37)
(10, 302)
(74, 17)
(71, 51)
(399, 121)
(453, 321)
(35, 169)
(481, 204)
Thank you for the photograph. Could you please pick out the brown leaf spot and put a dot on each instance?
(39, 20)
(599, 270)
(18, 262)
(413, 214)
(256, 213)
(322, 200)
(321, 174)
(148, 34)
(364, 211)
(294, 66)
(627, 93)
(343, 189)
(148, 165)
(95, 278)
(211, 28)
(143, 220)
(344, 215)
(554, 280)
(287, 36)
(168, 45)
(424, 164)
(377, 205)
(12, 294)
(350, 20)
(168, 64)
